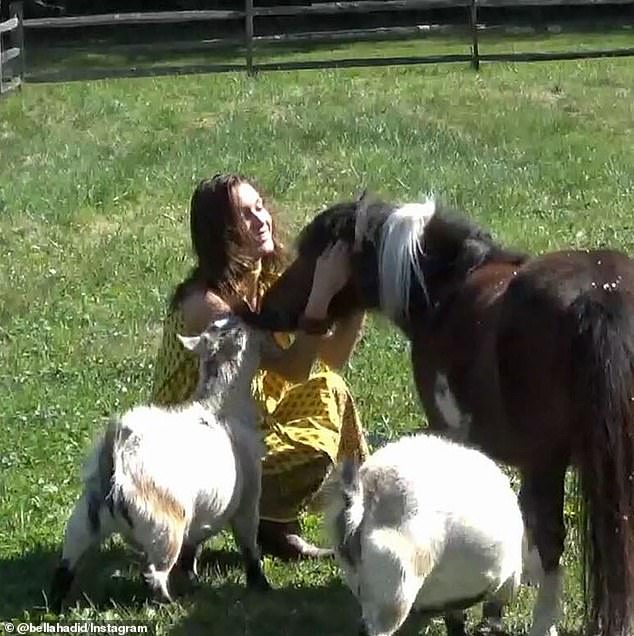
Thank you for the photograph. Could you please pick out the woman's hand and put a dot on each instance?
(332, 272)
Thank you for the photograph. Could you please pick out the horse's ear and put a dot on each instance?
(361, 220)
(474, 253)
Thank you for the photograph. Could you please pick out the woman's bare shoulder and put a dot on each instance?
(199, 308)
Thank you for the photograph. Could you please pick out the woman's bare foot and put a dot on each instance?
(282, 540)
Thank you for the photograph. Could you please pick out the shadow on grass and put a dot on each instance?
(218, 606)
(26, 579)
(23, 580)
(314, 608)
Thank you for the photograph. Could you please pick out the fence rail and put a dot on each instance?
(12, 57)
(250, 40)
(115, 19)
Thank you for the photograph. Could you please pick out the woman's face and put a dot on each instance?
(256, 218)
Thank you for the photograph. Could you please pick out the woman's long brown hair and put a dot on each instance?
(221, 243)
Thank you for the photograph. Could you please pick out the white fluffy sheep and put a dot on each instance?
(169, 478)
(424, 523)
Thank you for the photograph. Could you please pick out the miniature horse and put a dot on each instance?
(530, 359)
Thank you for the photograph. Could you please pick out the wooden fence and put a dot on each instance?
(250, 40)
(12, 55)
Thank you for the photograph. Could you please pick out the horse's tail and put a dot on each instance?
(603, 369)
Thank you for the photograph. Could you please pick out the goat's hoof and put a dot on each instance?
(157, 588)
(60, 586)
(258, 584)
(160, 598)
(490, 628)
(192, 578)
(55, 606)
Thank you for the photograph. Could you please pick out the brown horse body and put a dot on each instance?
(530, 360)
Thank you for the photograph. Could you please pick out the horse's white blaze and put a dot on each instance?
(456, 420)
(546, 609)
(398, 255)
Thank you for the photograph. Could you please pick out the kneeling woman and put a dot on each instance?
(309, 418)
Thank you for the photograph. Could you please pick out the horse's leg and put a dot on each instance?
(542, 500)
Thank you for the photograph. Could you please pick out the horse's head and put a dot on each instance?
(403, 258)
(284, 302)
(425, 252)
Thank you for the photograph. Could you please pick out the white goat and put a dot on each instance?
(169, 478)
(428, 524)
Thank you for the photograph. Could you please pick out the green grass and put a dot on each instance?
(95, 180)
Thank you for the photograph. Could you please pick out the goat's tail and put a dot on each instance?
(84, 526)
(99, 472)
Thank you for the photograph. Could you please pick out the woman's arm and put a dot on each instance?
(335, 350)
(199, 309)
(296, 362)
(331, 274)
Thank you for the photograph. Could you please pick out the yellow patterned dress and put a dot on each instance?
(306, 427)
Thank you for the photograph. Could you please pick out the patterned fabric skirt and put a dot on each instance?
(308, 427)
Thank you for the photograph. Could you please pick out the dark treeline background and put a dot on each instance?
(41, 8)
(594, 16)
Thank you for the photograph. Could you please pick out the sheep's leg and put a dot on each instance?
(83, 531)
(245, 531)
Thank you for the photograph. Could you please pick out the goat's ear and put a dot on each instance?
(189, 342)
(349, 477)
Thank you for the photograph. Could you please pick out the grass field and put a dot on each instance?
(95, 180)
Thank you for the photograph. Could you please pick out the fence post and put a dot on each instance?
(248, 29)
(1, 73)
(473, 22)
(17, 36)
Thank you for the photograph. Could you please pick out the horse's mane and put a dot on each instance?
(393, 265)
(338, 222)
(451, 239)
(447, 232)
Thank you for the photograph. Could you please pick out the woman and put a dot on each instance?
(309, 419)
